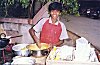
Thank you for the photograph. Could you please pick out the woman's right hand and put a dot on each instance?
(39, 45)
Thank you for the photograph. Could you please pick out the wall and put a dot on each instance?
(14, 26)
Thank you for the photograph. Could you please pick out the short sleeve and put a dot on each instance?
(38, 26)
(64, 34)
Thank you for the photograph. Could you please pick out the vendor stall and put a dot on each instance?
(82, 54)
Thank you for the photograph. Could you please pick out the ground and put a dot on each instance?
(84, 27)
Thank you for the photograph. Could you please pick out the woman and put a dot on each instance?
(52, 30)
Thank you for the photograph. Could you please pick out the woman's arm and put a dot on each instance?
(34, 37)
(59, 43)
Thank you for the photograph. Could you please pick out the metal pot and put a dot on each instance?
(36, 52)
(39, 53)
(3, 41)
(22, 53)
(21, 50)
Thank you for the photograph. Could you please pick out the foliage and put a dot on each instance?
(24, 3)
(6, 5)
(70, 6)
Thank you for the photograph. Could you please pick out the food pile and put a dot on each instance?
(35, 47)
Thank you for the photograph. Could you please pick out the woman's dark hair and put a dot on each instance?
(55, 6)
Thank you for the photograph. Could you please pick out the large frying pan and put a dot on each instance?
(5, 41)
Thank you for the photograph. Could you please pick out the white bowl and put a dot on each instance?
(18, 47)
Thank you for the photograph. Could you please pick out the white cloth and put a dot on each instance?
(38, 27)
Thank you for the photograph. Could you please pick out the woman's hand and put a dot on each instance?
(51, 46)
(39, 45)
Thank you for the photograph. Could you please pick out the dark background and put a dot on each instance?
(18, 11)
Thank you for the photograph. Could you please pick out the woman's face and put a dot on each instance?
(54, 14)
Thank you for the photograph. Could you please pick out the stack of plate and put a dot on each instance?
(23, 61)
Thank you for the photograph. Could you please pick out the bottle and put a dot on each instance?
(57, 56)
(53, 53)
